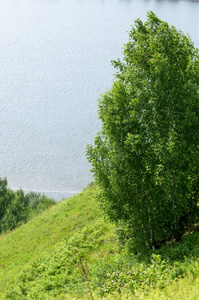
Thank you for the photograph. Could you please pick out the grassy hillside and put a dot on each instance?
(70, 251)
(78, 217)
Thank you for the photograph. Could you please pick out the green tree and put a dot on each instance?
(17, 211)
(5, 197)
(16, 208)
(146, 158)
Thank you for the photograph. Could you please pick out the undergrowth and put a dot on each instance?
(85, 260)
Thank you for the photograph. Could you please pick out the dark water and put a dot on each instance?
(54, 63)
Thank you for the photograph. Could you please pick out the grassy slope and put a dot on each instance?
(76, 223)
(39, 236)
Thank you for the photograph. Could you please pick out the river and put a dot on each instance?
(54, 64)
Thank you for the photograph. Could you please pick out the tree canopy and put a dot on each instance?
(146, 157)
(16, 208)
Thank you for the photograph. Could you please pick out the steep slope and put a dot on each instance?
(52, 229)
(71, 252)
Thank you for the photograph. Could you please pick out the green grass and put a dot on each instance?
(71, 252)
(43, 234)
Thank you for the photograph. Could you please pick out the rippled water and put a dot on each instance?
(54, 63)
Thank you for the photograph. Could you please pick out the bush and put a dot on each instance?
(38, 203)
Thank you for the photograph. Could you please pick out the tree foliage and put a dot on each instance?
(146, 158)
(16, 208)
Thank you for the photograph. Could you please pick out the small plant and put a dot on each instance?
(86, 275)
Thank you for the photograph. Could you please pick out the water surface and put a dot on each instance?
(54, 63)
